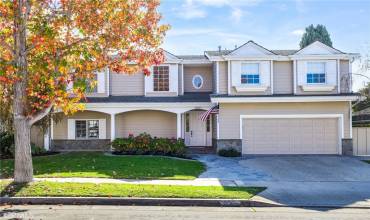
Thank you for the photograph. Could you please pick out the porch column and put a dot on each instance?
(112, 126)
(178, 125)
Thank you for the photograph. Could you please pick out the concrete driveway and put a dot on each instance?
(297, 180)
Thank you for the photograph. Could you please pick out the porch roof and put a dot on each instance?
(187, 97)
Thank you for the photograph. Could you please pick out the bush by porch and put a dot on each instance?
(144, 144)
(94, 164)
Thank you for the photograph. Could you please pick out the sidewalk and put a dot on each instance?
(195, 182)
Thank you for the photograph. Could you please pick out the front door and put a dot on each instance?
(196, 129)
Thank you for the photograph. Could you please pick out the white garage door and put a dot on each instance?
(290, 136)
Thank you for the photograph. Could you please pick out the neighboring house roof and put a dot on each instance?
(284, 52)
(187, 97)
(217, 52)
(192, 57)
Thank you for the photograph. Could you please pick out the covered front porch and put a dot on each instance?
(99, 124)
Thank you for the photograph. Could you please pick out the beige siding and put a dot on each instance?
(125, 84)
(283, 77)
(361, 141)
(291, 136)
(37, 136)
(61, 127)
(230, 113)
(204, 71)
(222, 80)
(156, 123)
(345, 80)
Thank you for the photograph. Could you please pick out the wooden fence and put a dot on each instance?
(361, 141)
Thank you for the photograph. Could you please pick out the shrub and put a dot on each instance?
(7, 147)
(145, 144)
(231, 152)
(6, 144)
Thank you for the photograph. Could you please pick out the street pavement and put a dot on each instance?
(171, 213)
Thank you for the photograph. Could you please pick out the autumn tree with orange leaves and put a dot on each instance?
(47, 44)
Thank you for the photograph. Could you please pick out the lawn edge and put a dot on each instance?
(133, 201)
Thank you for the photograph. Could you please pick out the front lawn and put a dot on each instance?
(54, 189)
(96, 164)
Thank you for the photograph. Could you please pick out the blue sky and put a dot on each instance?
(198, 25)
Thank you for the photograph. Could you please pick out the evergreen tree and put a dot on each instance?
(318, 33)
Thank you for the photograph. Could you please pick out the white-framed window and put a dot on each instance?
(161, 78)
(316, 73)
(250, 73)
(197, 81)
(87, 129)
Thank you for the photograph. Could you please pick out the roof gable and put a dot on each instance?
(250, 49)
(318, 48)
(169, 56)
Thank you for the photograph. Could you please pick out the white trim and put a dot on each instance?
(218, 127)
(52, 129)
(112, 126)
(339, 116)
(178, 125)
(228, 76)
(182, 79)
(173, 107)
(108, 79)
(350, 119)
(251, 88)
(294, 76)
(338, 75)
(201, 61)
(217, 77)
(201, 78)
(283, 99)
(47, 139)
(317, 87)
(272, 76)
(321, 57)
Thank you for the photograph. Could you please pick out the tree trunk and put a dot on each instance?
(23, 171)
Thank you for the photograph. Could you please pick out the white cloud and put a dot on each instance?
(236, 14)
(189, 10)
(298, 32)
(232, 3)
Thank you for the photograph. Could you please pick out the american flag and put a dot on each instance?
(205, 115)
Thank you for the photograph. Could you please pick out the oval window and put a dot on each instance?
(197, 81)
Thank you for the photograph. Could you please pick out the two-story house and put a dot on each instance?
(255, 100)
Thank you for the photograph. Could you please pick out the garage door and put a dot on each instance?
(290, 136)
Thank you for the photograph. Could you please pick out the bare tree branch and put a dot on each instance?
(40, 115)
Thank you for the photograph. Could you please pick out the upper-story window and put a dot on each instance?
(197, 81)
(316, 72)
(161, 78)
(89, 87)
(250, 73)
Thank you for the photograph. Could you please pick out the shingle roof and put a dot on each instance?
(284, 52)
(192, 57)
(217, 53)
(187, 97)
(225, 52)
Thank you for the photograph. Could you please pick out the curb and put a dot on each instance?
(132, 201)
(157, 202)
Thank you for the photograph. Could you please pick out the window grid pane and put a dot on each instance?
(250, 79)
(93, 128)
(80, 129)
(161, 78)
(316, 72)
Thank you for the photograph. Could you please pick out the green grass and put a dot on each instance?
(54, 189)
(95, 164)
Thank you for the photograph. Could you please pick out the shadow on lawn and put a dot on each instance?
(12, 189)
